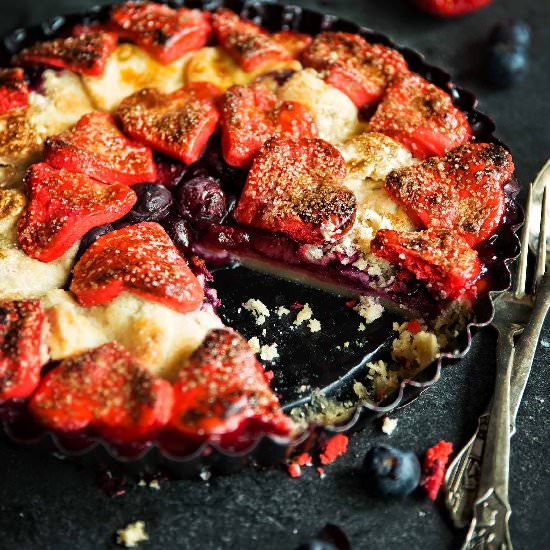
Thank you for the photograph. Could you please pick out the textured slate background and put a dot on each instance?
(48, 503)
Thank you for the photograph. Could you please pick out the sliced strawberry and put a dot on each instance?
(246, 42)
(461, 190)
(294, 42)
(359, 69)
(97, 148)
(105, 389)
(440, 257)
(23, 347)
(140, 258)
(222, 388)
(420, 116)
(296, 187)
(178, 124)
(63, 207)
(251, 115)
(451, 8)
(14, 92)
(85, 53)
(166, 34)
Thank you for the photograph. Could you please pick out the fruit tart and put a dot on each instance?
(153, 144)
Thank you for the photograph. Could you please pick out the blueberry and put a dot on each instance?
(391, 472)
(317, 544)
(153, 203)
(178, 230)
(507, 64)
(201, 201)
(213, 161)
(513, 32)
(92, 236)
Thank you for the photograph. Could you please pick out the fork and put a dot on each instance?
(477, 480)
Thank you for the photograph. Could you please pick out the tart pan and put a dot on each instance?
(315, 361)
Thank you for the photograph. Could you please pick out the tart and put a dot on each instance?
(154, 145)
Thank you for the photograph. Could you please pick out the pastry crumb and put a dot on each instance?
(346, 344)
(305, 314)
(361, 327)
(269, 353)
(258, 309)
(254, 344)
(389, 425)
(314, 325)
(282, 310)
(132, 534)
(370, 308)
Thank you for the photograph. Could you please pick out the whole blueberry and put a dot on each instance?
(513, 32)
(92, 236)
(201, 201)
(507, 65)
(317, 544)
(391, 472)
(178, 230)
(214, 162)
(153, 202)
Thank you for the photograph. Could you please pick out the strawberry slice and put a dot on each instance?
(140, 258)
(294, 42)
(222, 388)
(246, 42)
(451, 8)
(421, 117)
(85, 54)
(358, 69)
(440, 257)
(97, 148)
(164, 33)
(296, 187)
(178, 124)
(14, 92)
(23, 347)
(251, 115)
(461, 190)
(107, 390)
(63, 207)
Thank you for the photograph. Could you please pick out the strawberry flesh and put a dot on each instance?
(463, 190)
(358, 69)
(164, 33)
(451, 8)
(14, 92)
(296, 188)
(96, 148)
(294, 42)
(178, 124)
(421, 117)
(85, 54)
(23, 347)
(439, 257)
(246, 42)
(107, 390)
(253, 114)
(223, 389)
(63, 207)
(139, 258)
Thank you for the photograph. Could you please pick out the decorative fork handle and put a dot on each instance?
(462, 479)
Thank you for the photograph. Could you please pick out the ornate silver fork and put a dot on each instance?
(477, 480)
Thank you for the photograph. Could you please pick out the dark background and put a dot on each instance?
(48, 503)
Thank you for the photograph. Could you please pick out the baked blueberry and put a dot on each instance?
(201, 201)
(316, 544)
(514, 32)
(391, 472)
(178, 230)
(92, 236)
(508, 64)
(153, 203)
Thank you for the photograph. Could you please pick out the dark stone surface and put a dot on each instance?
(49, 503)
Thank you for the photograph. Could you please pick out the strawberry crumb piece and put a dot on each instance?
(435, 465)
(303, 459)
(269, 374)
(351, 303)
(321, 472)
(333, 448)
(296, 305)
(414, 326)
(294, 470)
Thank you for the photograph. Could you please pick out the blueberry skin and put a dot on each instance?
(513, 32)
(317, 544)
(92, 236)
(179, 231)
(391, 472)
(153, 203)
(507, 65)
(201, 201)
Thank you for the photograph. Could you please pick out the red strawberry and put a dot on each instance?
(166, 34)
(14, 92)
(63, 207)
(106, 389)
(461, 190)
(294, 42)
(296, 187)
(440, 257)
(251, 115)
(96, 148)
(420, 116)
(178, 124)
(140, 258)
(451, 8)
(85, 53)
(357, 68)
(246, 42)
(23, 347)
(222, 388)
